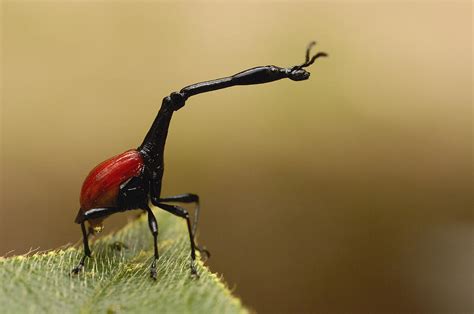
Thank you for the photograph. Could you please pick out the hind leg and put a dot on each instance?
(87, 252)
(93, 213)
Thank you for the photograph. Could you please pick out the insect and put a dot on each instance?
(132, 180)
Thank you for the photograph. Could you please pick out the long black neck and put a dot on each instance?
(153, 145)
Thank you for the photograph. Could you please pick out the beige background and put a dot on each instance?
(347, 192)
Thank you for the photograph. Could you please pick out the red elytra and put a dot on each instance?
(101, 187)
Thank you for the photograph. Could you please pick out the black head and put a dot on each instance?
(297, 73)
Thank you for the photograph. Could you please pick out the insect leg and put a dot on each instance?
(186, 198)
(92, 213)
(154, 231)
(183, 213)
(189, 198)
(87, 252)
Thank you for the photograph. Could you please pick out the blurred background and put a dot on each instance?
(351, 191)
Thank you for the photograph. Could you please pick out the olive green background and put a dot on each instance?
(351, 191)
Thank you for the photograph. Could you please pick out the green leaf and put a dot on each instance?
(116, 280)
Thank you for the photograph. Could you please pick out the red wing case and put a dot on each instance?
(101, 187)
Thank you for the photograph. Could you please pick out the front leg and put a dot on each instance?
(189, 198)
(183, 213)
(186, 198)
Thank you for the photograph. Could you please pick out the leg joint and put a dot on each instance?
(155, 201)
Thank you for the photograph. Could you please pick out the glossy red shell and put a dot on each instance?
(101, 187)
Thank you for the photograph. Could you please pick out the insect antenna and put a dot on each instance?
(309, 61)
